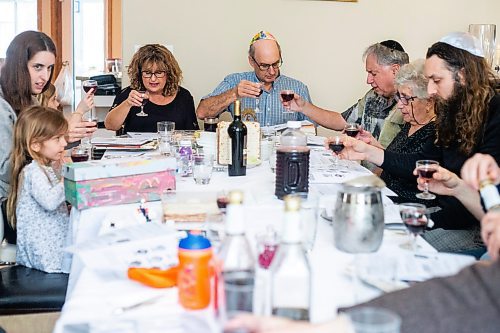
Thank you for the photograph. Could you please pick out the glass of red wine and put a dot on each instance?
(425, 170)
(222, 200)
(415, 219)
(145, 98)
(351, 129)
(257, 100)
(267, 244)
(336, 145)
(80, 154)
(88, 85)
(287, 96)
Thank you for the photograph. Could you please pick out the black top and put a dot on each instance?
(406, 189)
(180, 110)
(454, 215)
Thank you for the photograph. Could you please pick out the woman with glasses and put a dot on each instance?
(417, 109)
(154, 94)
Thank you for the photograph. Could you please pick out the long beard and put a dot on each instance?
(447, 113)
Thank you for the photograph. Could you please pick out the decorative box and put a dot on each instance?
(118, 181)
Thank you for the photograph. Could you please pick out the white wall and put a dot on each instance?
(322, 41)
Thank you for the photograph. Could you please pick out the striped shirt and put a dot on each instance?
(269, 102)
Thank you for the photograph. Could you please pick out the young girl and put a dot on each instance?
(36, 204)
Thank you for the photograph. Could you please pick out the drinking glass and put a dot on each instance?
(90, 115)
(336, 145)
(80, 154)
(202, 168)
(374, 320)
(425, 169)
(486, 33)
(351, 129)
(222, 200)
(287, 96)
(267, 244)
(165, 133)
(257, 100)
(145, 98)
(210, 124)
(415, 219)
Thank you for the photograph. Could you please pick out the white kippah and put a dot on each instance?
(464, 41)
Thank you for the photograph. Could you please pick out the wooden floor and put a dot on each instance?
(30, 323)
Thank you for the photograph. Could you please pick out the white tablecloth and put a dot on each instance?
(91, 297)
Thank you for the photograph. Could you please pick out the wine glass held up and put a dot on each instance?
(425, 170)
(145, 97)
(257, 99)
(287, 96)
(351, 129)
(87, 86)
(336, 145)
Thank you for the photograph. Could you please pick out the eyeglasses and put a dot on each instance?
(405, 100)
(148, 74)
(265, 67)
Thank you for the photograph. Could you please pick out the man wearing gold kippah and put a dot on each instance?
(258, 90)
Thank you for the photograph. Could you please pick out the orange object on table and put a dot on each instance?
(154, 277)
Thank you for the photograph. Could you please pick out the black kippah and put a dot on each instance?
(393, 45)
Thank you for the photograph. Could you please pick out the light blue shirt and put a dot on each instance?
(269, 102)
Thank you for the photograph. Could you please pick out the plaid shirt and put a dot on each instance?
(378, 115)
(269, 102)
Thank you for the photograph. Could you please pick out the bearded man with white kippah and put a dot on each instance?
(262, 86)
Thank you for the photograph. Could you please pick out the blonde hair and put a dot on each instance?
(36, 124)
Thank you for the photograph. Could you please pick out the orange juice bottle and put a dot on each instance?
(195, 254)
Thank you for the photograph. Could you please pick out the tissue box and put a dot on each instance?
(117, 181)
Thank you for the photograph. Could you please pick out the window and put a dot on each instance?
(89, 32)
(16, 16)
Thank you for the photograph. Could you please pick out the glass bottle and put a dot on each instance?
(489, 194)
(237, 259)
(290, 269)
(237, 132)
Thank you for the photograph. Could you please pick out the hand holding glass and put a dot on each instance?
(425, 170)
(145, 97)
(287, 96)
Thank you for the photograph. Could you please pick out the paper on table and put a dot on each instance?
(116, 141)
(423, 266)
(316, 140)
(144, 245)
(142, 135)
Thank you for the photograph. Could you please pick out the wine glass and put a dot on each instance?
(287, 96)
(257, 100)
(336, 145)
(222, 200)
(425, 169)
(415, 219)
(351, 129)
(91, 115)
(145, 98)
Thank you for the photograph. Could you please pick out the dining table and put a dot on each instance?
(102, 299)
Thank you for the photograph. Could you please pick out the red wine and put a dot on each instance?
(80, 157)
(352, 132)
(287, 97)
(336, 147)
(415, 226)
(222, 202)
(210, 124)
(87, 88)
(237, 132)
(266, 256)
(426, 173)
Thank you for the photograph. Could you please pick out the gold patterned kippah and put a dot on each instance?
(262, 35)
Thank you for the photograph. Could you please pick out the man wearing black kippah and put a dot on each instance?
(376, 111)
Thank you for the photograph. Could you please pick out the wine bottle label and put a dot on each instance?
(490, 195)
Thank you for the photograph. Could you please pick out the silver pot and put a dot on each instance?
(358, 219)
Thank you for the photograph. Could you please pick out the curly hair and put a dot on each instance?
(155, 54)
(477, 91)
(15, 78)
(35, 124)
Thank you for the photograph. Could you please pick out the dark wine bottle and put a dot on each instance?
(237, 132)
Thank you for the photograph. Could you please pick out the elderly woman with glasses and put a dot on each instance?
(417, 109)
(154, 94)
